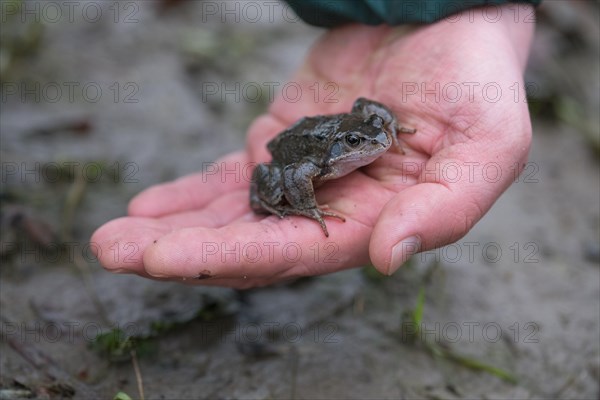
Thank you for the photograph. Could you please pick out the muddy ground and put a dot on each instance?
(510, 311)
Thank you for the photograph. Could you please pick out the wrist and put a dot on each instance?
(512, 22)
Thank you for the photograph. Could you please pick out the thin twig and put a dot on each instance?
(138, 374)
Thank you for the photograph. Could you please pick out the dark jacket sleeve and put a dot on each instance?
(329, 13)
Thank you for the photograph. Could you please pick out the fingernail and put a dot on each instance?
(402, 251)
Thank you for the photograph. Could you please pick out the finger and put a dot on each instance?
(194, 191)
(271, 249)
(119, 245)
(436, 212)
(221, 211)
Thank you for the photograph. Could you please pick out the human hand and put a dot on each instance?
(201, 227)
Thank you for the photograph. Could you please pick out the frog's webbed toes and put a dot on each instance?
(318, 214)
(322, 211)
(403, 129)
(315, 213)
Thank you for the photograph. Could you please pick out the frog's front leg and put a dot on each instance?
(368, 107)
(300, 193)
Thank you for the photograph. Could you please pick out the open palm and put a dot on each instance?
(459, 84)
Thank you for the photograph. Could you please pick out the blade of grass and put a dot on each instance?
(417, 314)
(438, 351)
(477, 365)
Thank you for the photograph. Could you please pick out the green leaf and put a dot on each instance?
(122, 396)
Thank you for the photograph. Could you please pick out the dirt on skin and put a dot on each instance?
(510, 311)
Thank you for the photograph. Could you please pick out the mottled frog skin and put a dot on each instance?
(318, 149)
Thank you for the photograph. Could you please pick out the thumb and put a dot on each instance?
(423, 217)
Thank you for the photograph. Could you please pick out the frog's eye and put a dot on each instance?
(352, 139)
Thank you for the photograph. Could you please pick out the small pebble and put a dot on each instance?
(591, 252)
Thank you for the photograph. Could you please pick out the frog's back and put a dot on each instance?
(307, 138)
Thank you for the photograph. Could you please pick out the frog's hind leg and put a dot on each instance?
(265, 190)
(262, 207)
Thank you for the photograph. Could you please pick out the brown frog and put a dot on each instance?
(317, 149)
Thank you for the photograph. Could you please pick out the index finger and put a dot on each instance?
(269, 249)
